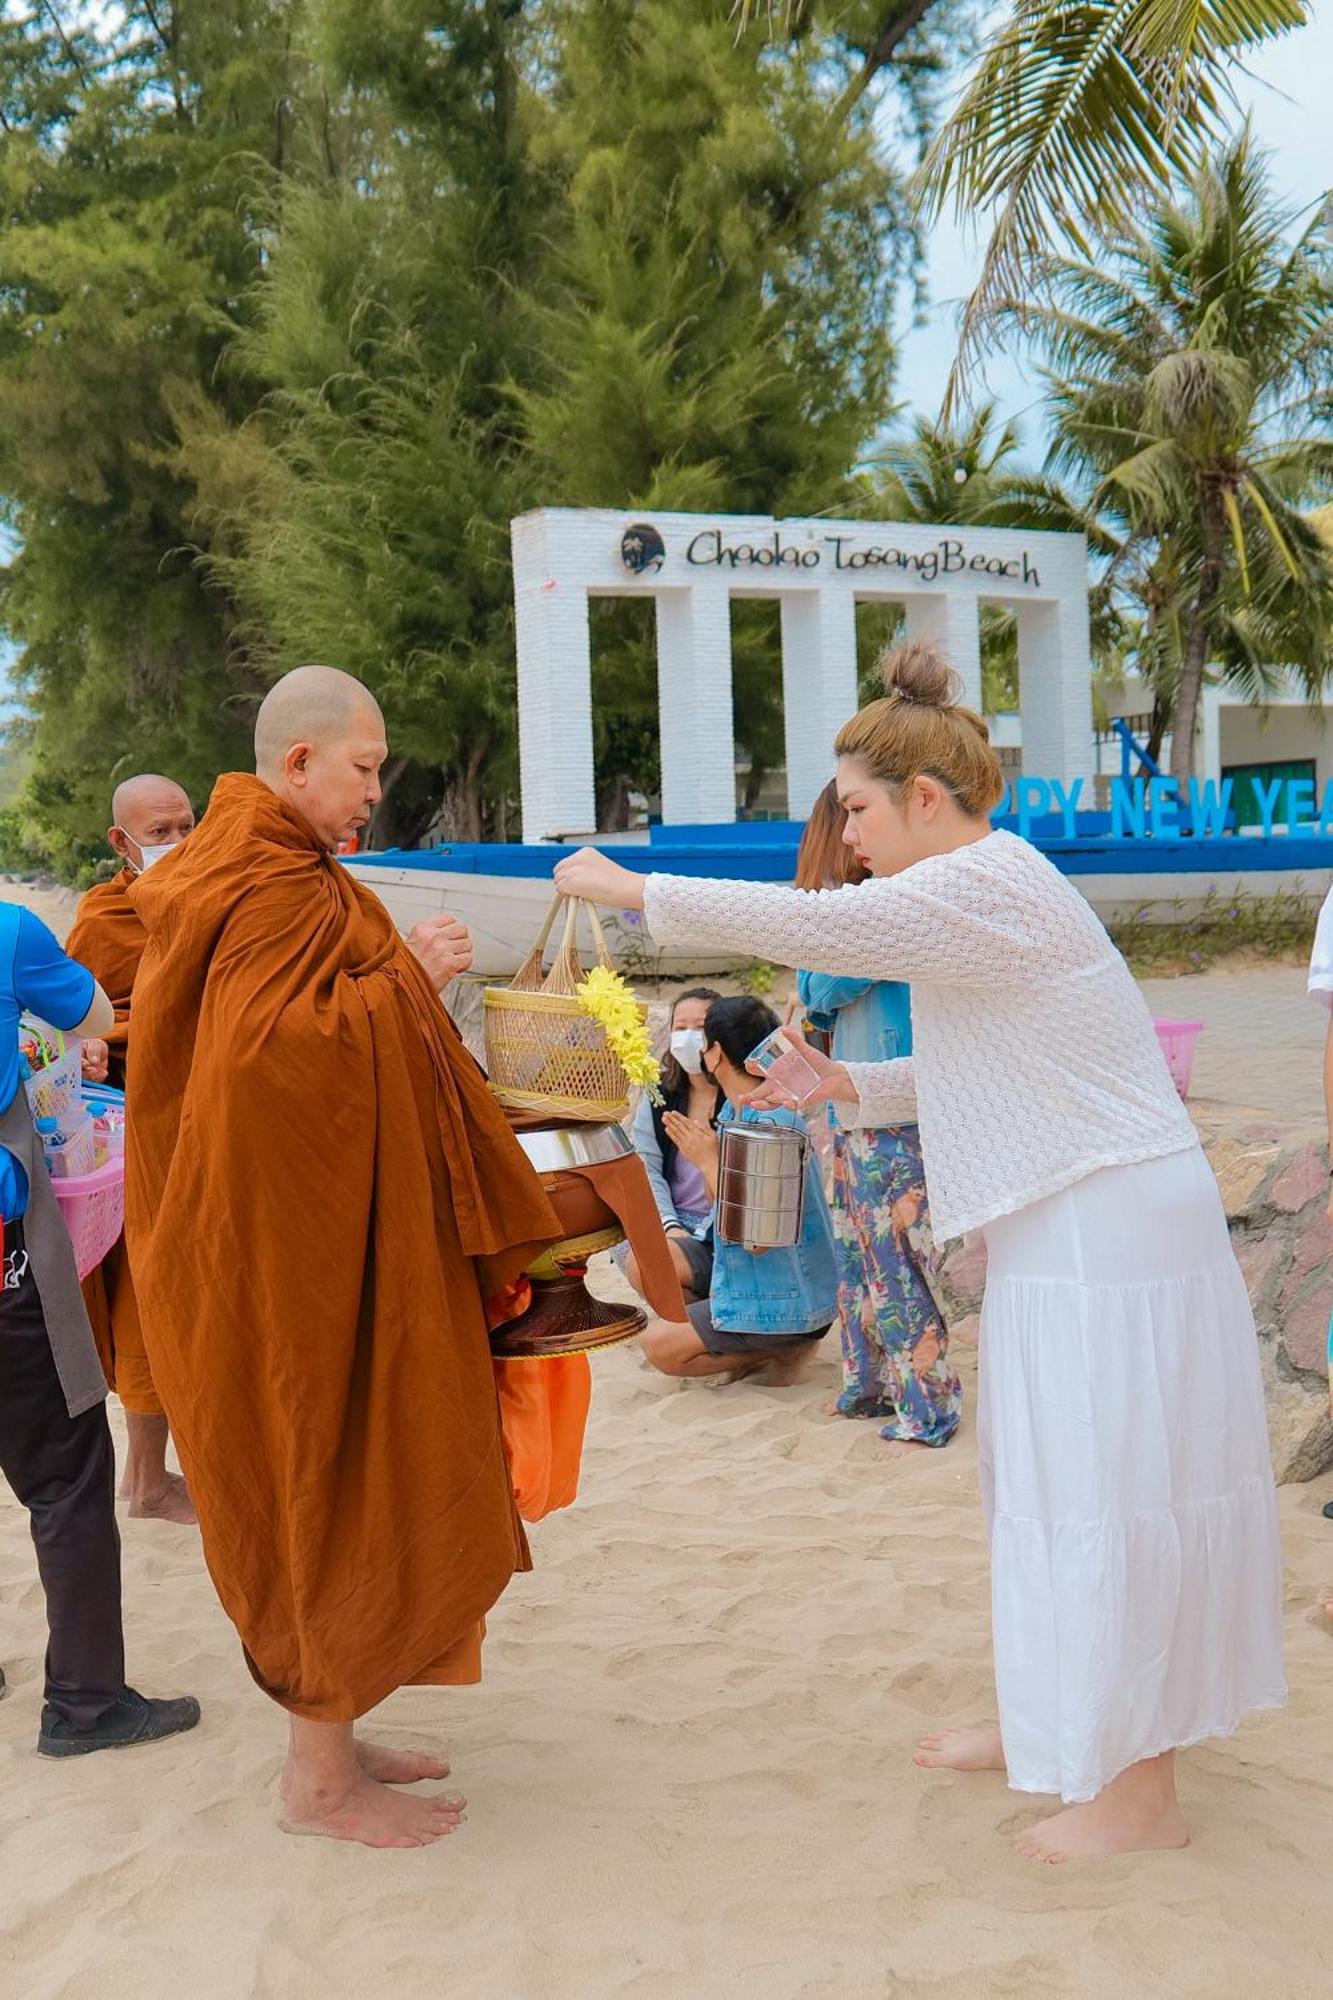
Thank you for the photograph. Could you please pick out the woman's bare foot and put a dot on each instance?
(960, 1750)
(397, 1767)
(366, 1811)
(169, 1501)
(1137, 1811)
(904, 1447)
(742, 1365)
(784, 1371)
(1324, 1599)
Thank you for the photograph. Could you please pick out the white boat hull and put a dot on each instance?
(504, 914)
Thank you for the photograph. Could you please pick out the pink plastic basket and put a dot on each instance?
(93, 1208)
(1177, 1039)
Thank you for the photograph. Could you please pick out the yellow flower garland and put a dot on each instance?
(604, 995)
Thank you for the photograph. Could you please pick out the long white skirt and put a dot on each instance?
(1136, 1575)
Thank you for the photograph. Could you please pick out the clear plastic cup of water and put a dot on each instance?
(783, 1061)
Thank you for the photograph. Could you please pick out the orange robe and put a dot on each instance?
(109, 938)
(320, 1195)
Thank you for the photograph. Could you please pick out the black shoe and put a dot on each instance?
(134, 1719)
(1328, 1510)
(3, 1684)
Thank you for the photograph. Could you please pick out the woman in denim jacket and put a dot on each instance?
(895, 1346)
(765, 1309)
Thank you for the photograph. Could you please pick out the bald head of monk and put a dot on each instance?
(149, 814)
(319, 744)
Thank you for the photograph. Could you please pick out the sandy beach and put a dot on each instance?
(689, 1765)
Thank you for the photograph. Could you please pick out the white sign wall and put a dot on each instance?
(693, 565)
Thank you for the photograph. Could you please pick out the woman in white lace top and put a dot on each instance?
(1135, 1590)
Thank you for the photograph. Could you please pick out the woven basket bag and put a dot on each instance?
(543, 1053)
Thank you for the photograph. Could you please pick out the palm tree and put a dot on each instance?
(945, 471)
(1077, 112)
(1186, 372)
(966, 471)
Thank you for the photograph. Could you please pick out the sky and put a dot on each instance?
(1288, 95)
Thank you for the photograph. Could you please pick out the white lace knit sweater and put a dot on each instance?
(1035, 1061)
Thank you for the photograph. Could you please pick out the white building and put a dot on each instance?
(692, 566)
(1283, 737)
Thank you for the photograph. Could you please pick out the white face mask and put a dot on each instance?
(148, 855)
(687, 1046)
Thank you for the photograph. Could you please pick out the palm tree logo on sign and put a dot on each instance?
(642, 549)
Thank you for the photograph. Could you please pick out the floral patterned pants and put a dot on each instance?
(895, 1346)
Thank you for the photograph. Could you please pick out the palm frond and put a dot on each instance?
(1075, 111)
(1258, 499)
(1237, 527)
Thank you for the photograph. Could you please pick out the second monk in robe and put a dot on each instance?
(321, 1193)
(150, 817)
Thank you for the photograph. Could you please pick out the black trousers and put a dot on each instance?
(63, 1470)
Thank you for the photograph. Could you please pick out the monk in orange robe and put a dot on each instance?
(150, 816)
(321, 1195)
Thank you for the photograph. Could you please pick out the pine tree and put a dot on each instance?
(719, 334)
(365, 519)
(128, 156)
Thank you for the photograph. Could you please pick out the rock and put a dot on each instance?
(1263, 1262)
(1300, 1430)
(1304, 1177)
(1302, 1327)
(966, 1332)
(1313, 1243)
(1311, 1458)
(959, 1278)
(1241, 1170)
(1274, 1181)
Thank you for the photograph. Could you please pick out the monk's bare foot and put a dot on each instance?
(398, 1767)
(169, 1502)
(1138, 1811)
(960, 1750)
(1103, 1827)
(368, 1812)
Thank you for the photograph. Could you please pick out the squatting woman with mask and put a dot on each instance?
(679, 1189)
(766, 1309)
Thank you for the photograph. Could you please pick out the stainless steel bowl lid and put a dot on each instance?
(564, 1147)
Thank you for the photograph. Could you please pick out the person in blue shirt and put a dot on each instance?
(765, 1308)
(55, 1445)
(895, 1345)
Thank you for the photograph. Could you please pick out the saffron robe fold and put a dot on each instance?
(109, 938)
(320, 1194)
(543, 1416)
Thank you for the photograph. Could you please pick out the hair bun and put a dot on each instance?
(917, 671)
